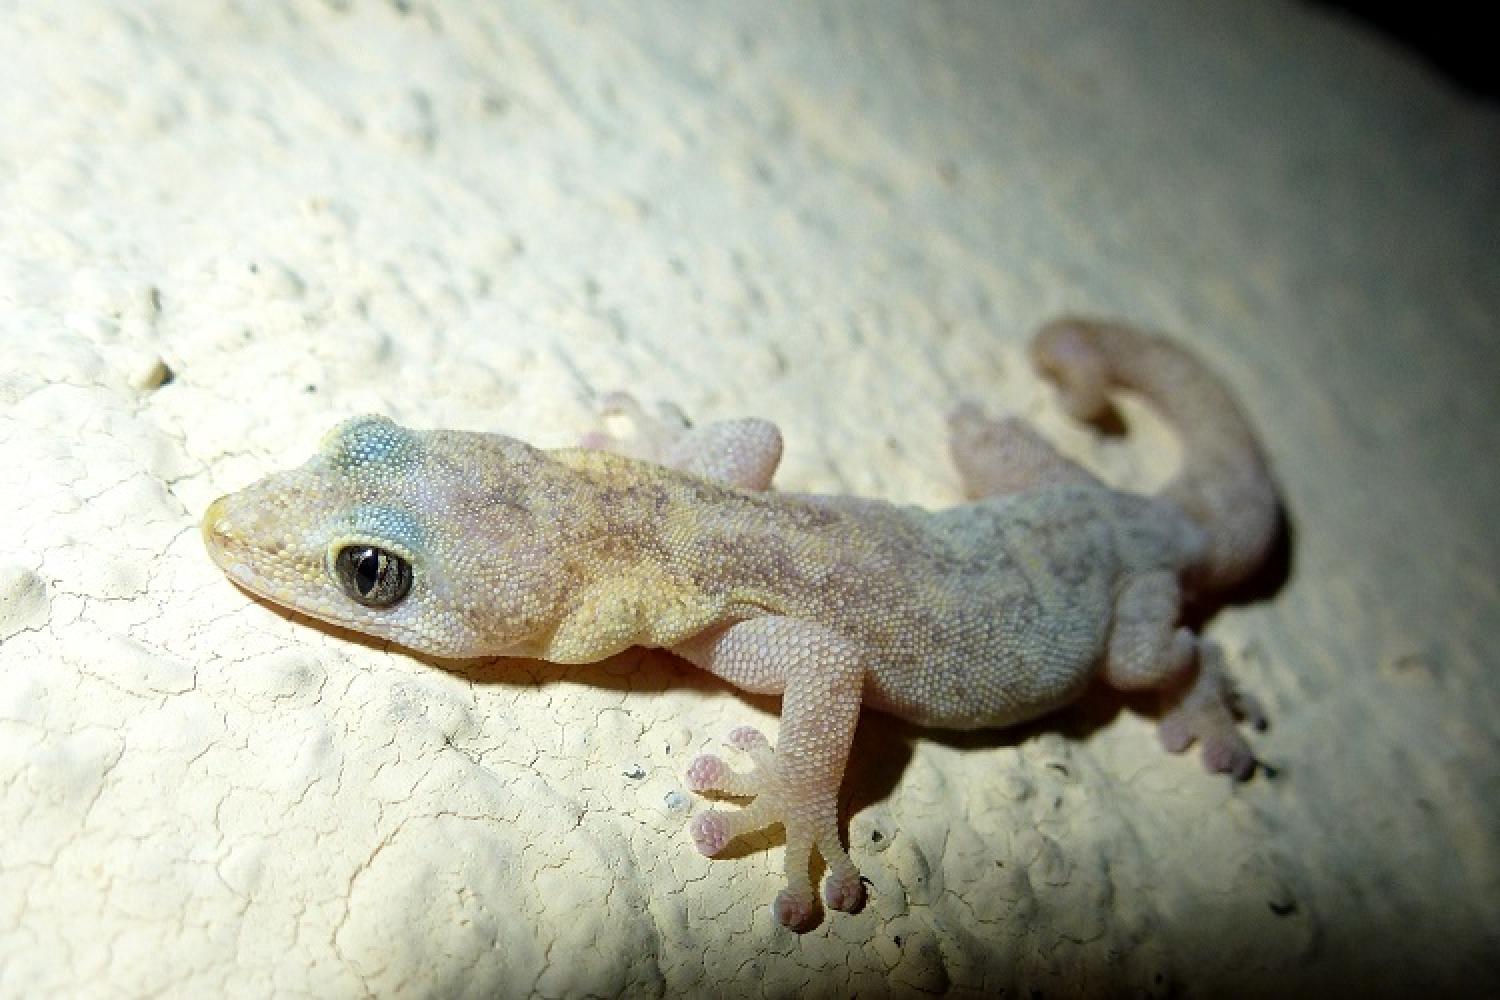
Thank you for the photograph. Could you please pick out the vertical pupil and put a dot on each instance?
(367, 571)
(372, 576)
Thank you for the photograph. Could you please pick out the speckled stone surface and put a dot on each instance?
(225, 226)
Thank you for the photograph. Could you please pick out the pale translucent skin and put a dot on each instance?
(979, 616)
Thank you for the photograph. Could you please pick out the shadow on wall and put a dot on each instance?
(1452, 39)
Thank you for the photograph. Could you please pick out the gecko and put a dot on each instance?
(987, 614)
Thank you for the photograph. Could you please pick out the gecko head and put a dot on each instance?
(436, 540)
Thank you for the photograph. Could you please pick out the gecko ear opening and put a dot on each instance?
(373, 577)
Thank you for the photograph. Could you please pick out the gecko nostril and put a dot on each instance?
(215, 524)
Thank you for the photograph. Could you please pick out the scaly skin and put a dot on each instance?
(461, 545)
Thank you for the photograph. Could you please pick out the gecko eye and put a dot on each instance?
(373, 577)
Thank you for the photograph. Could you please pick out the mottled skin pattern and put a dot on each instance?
(987, 614)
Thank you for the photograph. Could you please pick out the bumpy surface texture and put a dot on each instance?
(224, 227)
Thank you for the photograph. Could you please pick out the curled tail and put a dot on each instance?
(1224, 484)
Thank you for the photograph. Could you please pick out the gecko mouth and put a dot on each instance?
(225, 547)
(218, 537)
(230, 550)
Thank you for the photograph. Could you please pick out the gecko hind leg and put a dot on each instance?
(1149, 651)
(996, 457)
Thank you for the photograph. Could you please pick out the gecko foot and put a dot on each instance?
(808, 815)
(1207, 713)
(652, 437)
(742, 453)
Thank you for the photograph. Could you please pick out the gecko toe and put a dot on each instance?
(748, 738)
(1249, 708)
(1228, 756)
(710, 833)
(844, 891)
(1175, 735)
(706, 773)
(793, 909)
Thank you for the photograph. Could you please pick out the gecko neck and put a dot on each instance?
(628, 546)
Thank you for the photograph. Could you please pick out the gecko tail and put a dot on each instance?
(1224, 484)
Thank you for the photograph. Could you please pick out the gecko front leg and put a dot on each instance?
(742, 453)
(819, 675)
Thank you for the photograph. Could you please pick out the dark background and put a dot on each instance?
(1449, 37)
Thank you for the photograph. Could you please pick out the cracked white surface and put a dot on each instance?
(224, 226)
